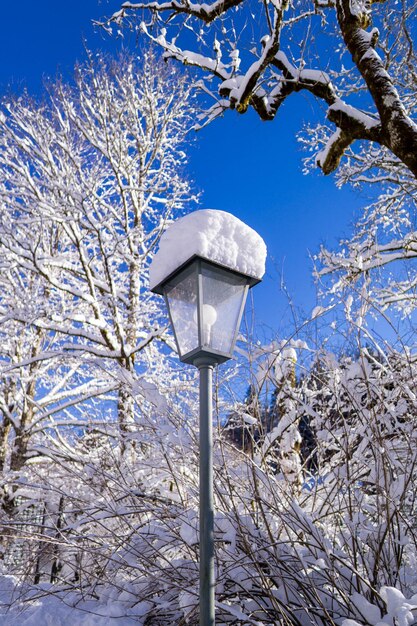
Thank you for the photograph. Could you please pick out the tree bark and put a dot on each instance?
(398, 131)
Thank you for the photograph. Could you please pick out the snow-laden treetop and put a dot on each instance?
(214, 235)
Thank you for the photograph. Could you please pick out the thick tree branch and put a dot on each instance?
(204, 11)
(265, 89)
(398, 130)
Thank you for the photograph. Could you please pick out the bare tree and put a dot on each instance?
(380, 254)
(89, 179)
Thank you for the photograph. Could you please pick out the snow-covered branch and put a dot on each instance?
(262, 65)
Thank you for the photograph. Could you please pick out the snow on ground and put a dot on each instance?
(64, 609)
(214, 235)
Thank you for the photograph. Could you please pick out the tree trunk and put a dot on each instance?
(4, 442)
(398, 131)
(126, 419)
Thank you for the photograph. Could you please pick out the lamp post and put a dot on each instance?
(205, 301)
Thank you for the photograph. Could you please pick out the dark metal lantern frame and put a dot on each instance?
(196, 268)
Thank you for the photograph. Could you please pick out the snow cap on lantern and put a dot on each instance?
(205, 265)
(213, 235)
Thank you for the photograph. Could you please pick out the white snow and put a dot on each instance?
(399, 610)
(46, 609)
(188, 57)
(360, 116)
(358, 7)
(283, 364)
(323, 154)
(369, 611)
(213, 235)
(249, 419)
(282, 58)
(317, 311)
(371, 54)
(317, 76)
(189, 528)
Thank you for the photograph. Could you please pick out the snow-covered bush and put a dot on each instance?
(339, 547)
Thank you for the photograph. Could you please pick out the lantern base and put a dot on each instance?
(205, 356)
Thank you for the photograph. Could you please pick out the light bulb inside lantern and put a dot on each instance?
(209, 318)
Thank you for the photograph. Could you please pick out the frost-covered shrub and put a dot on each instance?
(340, 547)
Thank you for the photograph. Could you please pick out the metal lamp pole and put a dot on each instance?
(204, 289)
(207, 618)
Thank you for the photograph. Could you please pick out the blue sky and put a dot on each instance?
(251, 168)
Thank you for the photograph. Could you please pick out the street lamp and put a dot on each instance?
(205, 301)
